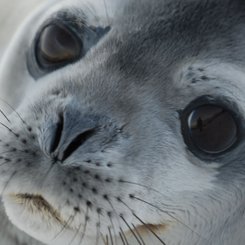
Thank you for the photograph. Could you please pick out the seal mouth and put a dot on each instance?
(38, 204)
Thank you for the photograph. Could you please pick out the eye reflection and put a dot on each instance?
(212, 128)
(57, 45)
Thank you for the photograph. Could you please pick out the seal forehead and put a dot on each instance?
(186, 28)
(171, 33)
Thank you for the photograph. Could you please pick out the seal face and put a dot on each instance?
(123, 123)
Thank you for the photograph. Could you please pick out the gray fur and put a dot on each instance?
(157, 58)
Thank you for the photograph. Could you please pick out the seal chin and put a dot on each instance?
(33, 214)
(37, 217)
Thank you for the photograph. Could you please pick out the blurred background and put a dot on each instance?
(12, 13)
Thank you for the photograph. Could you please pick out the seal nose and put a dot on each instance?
(67, 133)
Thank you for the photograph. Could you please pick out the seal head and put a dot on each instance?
(123, 123)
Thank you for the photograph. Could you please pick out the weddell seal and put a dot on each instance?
(123, 123)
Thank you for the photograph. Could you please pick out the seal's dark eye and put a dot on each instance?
(212, 128)
(60, 41)
(209, 128)
(57, 45)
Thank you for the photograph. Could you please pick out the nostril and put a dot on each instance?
(62, 134)
(57, 133)
(77, 142)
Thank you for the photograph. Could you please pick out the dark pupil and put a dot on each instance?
(58, 45)
(212, 129)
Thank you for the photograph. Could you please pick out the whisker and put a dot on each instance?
(103, 239)
(7, 183)
(9, 129)
(125, 204)
(121, 236)
(4, 163)
(124, 236)
(156, 207)
(136, 231)
(5, 152)
(85, 225)
(148, 228)
(147, 188)
(12, 108)
(5, 116)
(98, 230)
(141, 222)
(77, 231)
(73, 238)
(70, 219)
(114, 230)
(131, 230)
(170, 215)
(109, 229)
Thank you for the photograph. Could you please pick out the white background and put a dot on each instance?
(12, 13)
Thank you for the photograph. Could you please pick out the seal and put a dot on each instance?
(123, 123)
